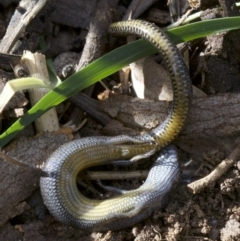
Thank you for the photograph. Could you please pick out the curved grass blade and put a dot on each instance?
(109, 64)
(202, 29)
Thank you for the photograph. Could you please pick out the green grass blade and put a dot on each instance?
(109, 64)
(202, 29)
(99, 69)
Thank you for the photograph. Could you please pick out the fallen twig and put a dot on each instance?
(222, 168)
(19, 23)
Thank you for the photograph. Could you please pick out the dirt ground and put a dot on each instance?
(209, 139)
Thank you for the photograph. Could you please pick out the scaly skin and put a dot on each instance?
(58, 186)
(181, 82)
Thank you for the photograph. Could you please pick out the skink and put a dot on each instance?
(58, 186)
(69, 206)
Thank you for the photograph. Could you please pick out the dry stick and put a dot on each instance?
(19, 22)
(181, 20)
(223, 167)
(96, 39)
(209, 117)
(113, 175)
(8, 60)
(37, 67)
(18, 163)
(90, 106)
